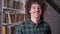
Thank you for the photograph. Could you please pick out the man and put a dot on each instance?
(34, 25)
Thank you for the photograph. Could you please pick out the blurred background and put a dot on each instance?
(12, 13)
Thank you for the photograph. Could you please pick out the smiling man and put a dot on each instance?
(34, 25)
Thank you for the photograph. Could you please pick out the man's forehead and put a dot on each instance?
(35, 4)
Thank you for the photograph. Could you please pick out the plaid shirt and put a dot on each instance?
(28, 27)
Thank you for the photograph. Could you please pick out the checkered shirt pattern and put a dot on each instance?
(28, 27)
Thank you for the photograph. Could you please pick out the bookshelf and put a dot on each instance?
(1, 13)
(12, 12)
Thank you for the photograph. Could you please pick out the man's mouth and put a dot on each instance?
(36, 12)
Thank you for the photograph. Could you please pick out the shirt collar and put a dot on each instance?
(31, 22)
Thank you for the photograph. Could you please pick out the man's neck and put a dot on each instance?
(35, 20)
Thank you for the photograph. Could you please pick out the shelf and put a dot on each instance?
(14, 10)
(10, 9)
(12, 24)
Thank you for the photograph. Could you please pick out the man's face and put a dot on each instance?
(35, 10)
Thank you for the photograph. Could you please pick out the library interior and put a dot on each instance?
(12, 13)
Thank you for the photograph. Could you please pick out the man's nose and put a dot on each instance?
(37, 9)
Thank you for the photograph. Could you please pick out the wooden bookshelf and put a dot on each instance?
(11, 13)
(14, 17)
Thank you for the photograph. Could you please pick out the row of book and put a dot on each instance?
(14, 18)
(12, 4)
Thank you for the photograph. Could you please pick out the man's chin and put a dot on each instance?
(36, 16)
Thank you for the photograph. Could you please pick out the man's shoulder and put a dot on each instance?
(45, 23)
(23, 23)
